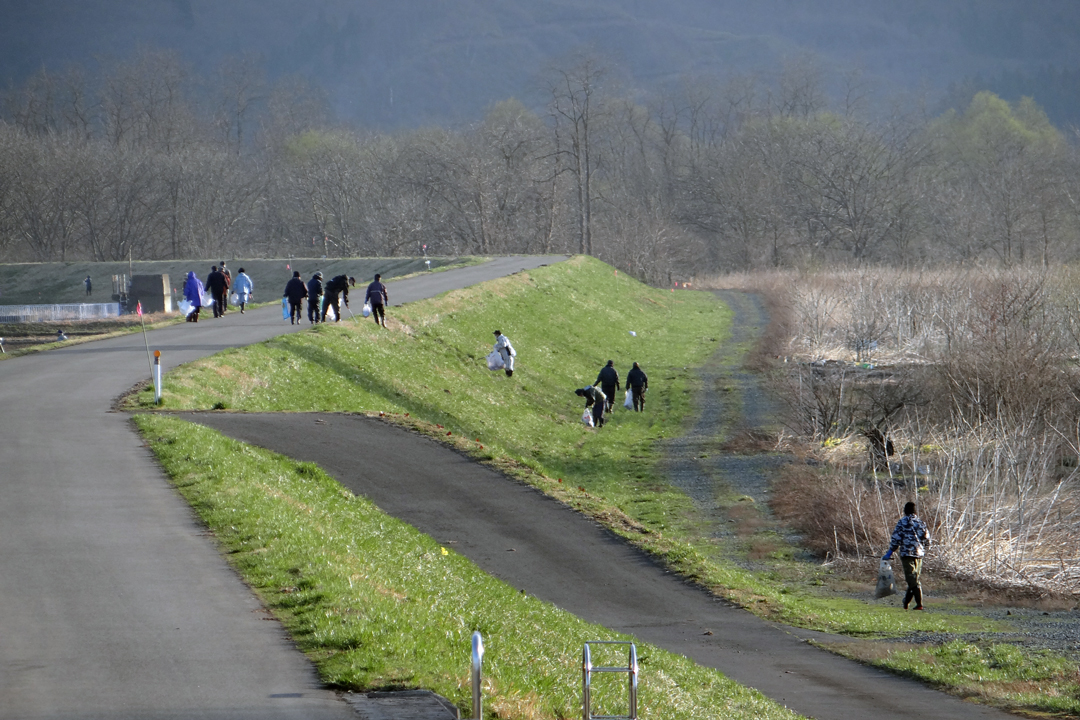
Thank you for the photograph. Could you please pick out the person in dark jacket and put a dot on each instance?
(338, 286)
(639, 383)
(912, 539)
(218, 285)
(378, 298)
(594, 398)
(608, 380)
(295, 291)
(314, 296)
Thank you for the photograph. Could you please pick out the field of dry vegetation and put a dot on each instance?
(957, 388)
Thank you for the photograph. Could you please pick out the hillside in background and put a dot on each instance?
(420, 62)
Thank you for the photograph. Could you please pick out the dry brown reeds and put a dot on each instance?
(971, 374)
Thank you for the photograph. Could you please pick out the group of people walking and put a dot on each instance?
(218, 283)
(326, 297)
(601, 400)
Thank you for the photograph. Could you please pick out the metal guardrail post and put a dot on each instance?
(587, 669)
(477, 666)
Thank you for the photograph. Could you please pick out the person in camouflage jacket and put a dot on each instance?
(912, 539)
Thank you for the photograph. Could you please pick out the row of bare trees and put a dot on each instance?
(142, 158)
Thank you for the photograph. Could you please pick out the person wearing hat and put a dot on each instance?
(378, 299)
(506, 351)
(912, 539)
(639, 383)
(595, 399)
(314, 297)
(608, 380)
(295, 291)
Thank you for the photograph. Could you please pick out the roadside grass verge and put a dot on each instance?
(992, 673)
(378, 605)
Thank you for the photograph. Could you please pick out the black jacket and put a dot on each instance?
(608, 377)
(295, 290)
(314, 288)
(216, 282)
(637, 378)
(338, 285)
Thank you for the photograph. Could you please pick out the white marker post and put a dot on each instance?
(157, 377)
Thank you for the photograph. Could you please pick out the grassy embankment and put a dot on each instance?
(427, 371)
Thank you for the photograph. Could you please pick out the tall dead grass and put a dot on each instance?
(972, 374)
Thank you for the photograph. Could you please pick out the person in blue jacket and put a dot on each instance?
(243, 287)
(193, 293)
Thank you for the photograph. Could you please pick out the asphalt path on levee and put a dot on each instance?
(542, 547)
(113, 602)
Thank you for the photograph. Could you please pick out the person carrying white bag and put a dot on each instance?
(506, 352)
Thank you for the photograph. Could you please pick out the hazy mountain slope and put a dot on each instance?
(437, 61)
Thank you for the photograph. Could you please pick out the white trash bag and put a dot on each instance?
(330, 314)
(586, 417)
(207, 300)
(885, 584)
(234, 299)
(495, 360)
(185, 307)
(628, 403)
(367, 310)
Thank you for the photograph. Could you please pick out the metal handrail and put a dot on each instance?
(477, 666)
(587, 670)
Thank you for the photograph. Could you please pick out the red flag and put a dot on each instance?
(287, 266)
(138, 308)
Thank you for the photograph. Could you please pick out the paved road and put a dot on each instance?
(542, 547)
(112, 603)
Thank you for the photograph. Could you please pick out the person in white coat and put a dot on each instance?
(506, 350)
(243, 287)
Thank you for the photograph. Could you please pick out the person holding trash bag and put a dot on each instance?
(314, 297)
(912, 539)
(295, 292)
(608, 380)
(193, 293)
(243, 288)
(597, 400)
(377, 298)
(335, 289)
(639, 383)
(506, 351)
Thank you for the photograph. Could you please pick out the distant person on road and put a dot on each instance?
(314, 297)
(335, 289)
(378, 298)
(595, 399)
(228, 284)
(911, 537)
(608, 380)
(88, 284)
(506, 351)
(295, 291)
(193, 293)
(639, 383)
(218, 287)
(243, 288)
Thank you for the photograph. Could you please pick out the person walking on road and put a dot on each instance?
(193, 293)
(608, 380)
(228, 284)
(639, 383)
(506, 351)
(295, 291)
(912, 539)
(335, 289)
(243, 288)
(314, 297)
(88, 284)
(218, 286)
(595, 399)
(377, 298)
